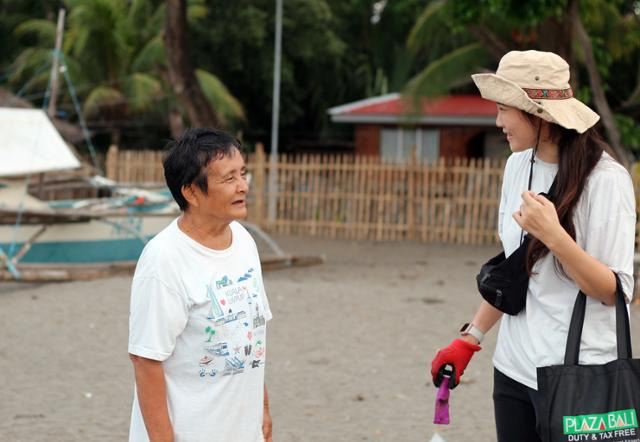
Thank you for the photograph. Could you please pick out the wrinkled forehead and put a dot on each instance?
(225, 163)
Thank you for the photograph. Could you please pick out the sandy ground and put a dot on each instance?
(348, 349)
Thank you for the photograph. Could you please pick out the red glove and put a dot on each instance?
(458, 354)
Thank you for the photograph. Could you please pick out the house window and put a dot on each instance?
(397, 143)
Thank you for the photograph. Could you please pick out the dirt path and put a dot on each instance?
(348, 349)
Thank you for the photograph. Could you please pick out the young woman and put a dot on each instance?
(579, 241)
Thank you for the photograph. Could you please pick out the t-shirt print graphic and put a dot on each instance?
(234, 334)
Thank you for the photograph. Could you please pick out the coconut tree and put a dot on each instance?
(115, 55)
(209, 331)
(606, 33)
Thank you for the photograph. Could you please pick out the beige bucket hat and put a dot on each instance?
(537, 83)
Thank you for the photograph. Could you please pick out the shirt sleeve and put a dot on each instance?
(265, 302)
(503, 196)
(611, 223)
(157, 316)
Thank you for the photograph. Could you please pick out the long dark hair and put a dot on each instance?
(578, 155)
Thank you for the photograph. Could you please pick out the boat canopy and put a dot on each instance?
(29, 143)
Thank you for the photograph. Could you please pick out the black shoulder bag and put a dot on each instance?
(503, 282)
(591, 402)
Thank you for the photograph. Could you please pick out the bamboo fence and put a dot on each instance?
(361, 197)
(134, 166)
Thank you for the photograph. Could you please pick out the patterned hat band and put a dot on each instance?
(549, 94)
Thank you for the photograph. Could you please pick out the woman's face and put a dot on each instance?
(521, 134)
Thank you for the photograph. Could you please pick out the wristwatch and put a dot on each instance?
(470, 329)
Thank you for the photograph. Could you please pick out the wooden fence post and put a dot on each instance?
(258, 184)
(410, 195)
(112, 163)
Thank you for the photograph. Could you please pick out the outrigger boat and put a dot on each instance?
(74, 239)
(41, 236)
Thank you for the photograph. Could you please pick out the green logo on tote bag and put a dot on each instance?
(596, 423)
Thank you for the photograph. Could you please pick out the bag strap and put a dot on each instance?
(623, 333)
(550, 193)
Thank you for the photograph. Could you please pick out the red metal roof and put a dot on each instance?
(458, 110)
(468, 105)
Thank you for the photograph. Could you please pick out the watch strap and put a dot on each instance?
(470, 329)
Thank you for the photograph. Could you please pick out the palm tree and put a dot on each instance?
(481, 35)
(114, 52)
(210, 331)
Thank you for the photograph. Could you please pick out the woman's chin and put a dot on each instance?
(515, 148)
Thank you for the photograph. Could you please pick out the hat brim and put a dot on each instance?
(568, 113)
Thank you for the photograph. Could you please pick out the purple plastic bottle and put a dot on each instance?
(442, 403)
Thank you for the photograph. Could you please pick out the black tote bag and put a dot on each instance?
(591, 402)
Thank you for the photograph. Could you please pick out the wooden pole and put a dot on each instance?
(258, 186)
(411, 191)
(112, 162)
(55, 65)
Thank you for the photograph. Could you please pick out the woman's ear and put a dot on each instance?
(548, 134)
(189, 194)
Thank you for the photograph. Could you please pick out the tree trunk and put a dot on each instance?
(181, 74)
(598, 93)
(116, 136)
(494, 45)
(176, 125)
(557, 35)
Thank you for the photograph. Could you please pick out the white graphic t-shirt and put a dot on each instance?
(203, 312)
(605, 221)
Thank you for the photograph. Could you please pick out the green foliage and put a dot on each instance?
(12, 14)
(102, 96)
(612, 25)
(242, 41)
(141, 89)
(429, 25)
(115, 55)
(219, 97)
(519, 13)
(629, 132)
(442, 74)
(43, 30)
(615, 35)
(334, 51)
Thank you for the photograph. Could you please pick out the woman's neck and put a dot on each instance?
(548, 152)
(213, 235)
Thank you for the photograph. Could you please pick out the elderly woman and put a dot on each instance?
(197, 326)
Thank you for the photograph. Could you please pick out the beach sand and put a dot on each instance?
(348, 349)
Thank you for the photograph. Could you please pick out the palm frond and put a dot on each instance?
(97, 22)
(603, 19)
(139, 12)
(224, 104)
(157, 19)
(142, 91)
(150, 56)
(196, 10)
(102, 96)
(28, 62)
(437, 78)
(426, 26)
(44, 30)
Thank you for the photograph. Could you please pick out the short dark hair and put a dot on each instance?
(187, 158)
